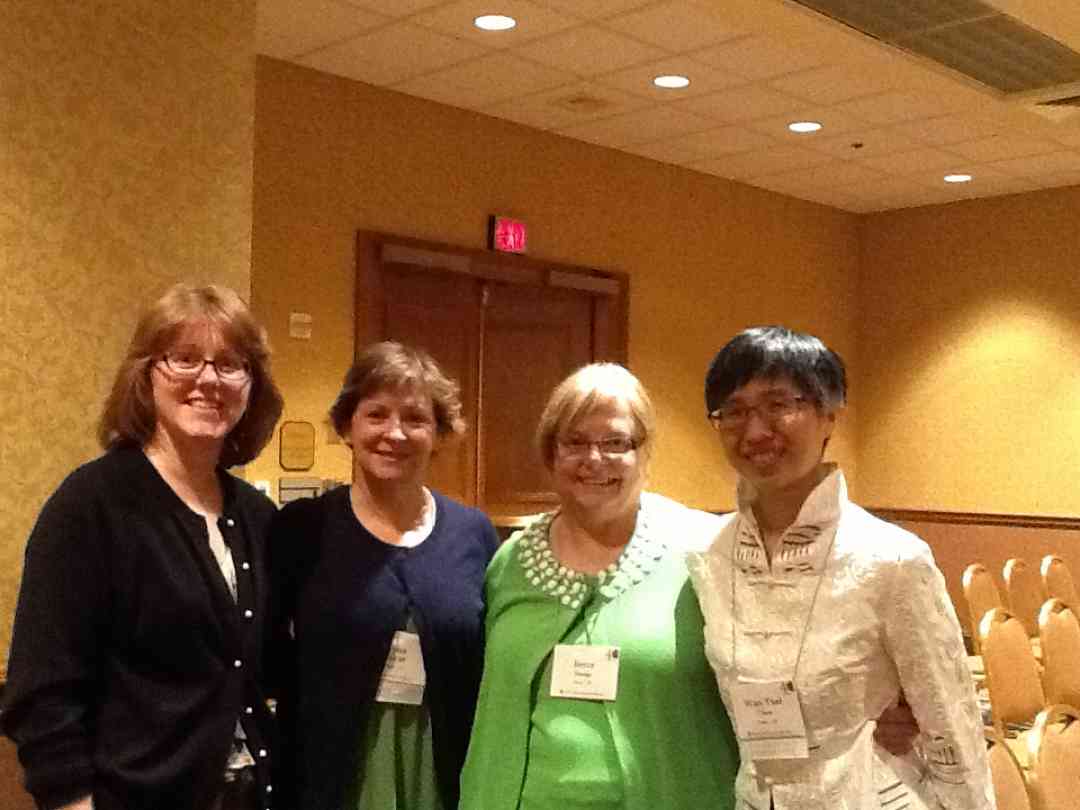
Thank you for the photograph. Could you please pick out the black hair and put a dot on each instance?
(775, 351)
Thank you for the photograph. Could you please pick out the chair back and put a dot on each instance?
(1010, 786)
(1059, 633)
(1054, 768)
(1012, 676)
(981, 594)
(1024, 592)
(1057, 581)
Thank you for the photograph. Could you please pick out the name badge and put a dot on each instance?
(769, 720)
(403, 676)
(585, 672)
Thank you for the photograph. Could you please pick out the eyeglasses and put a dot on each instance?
(774, 411)
(230, 368)
(609, 447)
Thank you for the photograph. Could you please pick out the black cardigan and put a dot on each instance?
(130, 661)
(343, 593)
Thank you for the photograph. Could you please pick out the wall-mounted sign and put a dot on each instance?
(297, 446)
(506, 235)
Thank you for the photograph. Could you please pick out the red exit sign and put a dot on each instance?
(507, 235)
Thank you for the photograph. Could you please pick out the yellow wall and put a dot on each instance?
(969, 340)
(706, 256)
(125, 165)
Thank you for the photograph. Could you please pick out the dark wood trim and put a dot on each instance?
(977, 518)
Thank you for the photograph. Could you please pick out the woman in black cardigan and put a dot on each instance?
(133, 680)
(379, 604)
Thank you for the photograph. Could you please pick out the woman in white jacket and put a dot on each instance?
(818, 615)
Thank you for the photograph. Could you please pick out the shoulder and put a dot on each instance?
(250, 499)
(102, 479)
(684, 529)
(868, 535)
(466, 521)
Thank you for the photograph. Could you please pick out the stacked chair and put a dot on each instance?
(1035, 740)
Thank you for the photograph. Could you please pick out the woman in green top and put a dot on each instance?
(596, 692)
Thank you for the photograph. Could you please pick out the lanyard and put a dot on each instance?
(809, 612)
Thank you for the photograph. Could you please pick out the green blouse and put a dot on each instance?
(669, 741)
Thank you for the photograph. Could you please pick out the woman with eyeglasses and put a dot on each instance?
(817, 613)
(133, 679)
(379, 606)
(596, 692)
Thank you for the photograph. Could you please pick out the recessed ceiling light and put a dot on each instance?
(804, 126)
(494, 22)
(671, 82)
(957, 178)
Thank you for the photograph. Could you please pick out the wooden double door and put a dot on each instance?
(508, 330)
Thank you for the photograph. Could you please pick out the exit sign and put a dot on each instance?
(506, 235)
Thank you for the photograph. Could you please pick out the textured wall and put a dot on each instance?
(125, 165)
(970, 341)
(706, 256)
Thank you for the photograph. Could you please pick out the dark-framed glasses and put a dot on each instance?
(608, 447)
(230, 368)
(773, 410)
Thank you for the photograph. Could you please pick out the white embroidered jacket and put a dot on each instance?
(882, 622)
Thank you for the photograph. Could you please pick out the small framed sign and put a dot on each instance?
(507, 235)
(297, 450)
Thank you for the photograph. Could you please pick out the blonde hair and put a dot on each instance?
(129, 417)
(579, 393)
(390, 364)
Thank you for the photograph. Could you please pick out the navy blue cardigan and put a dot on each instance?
(339, 595)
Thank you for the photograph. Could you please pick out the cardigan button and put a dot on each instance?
(262, 753)
(230, 522)
(245, 565)
(238, 663)
(248, 614)
(248, 710)
(269, 788)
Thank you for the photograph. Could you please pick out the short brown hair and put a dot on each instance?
(394, 365)
(581, 391)
(129, 416)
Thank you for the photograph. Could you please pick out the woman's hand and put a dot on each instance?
(85, 803)
(896, 729)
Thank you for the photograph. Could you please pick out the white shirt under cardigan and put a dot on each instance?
(882, 622)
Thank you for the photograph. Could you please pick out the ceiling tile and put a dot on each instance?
(1002, 147)
(915, 160)
(833, 84)
(709, 143)
(987, 180)
(486, 80)
(1040, 166)
(832, 120)
(639, 79)
(589, 50)
(288, 28)
(391, 54)
(863, 143)
(835, 174)
(762, 162)
(565, 106)
(649, 124)
(677, 25)
(894, 107)
(391, 8)
(949, 129)
(741, 104)
(456, 19)
(591, 9)
(758, 57)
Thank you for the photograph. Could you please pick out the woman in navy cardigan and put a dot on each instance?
(379, 604)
